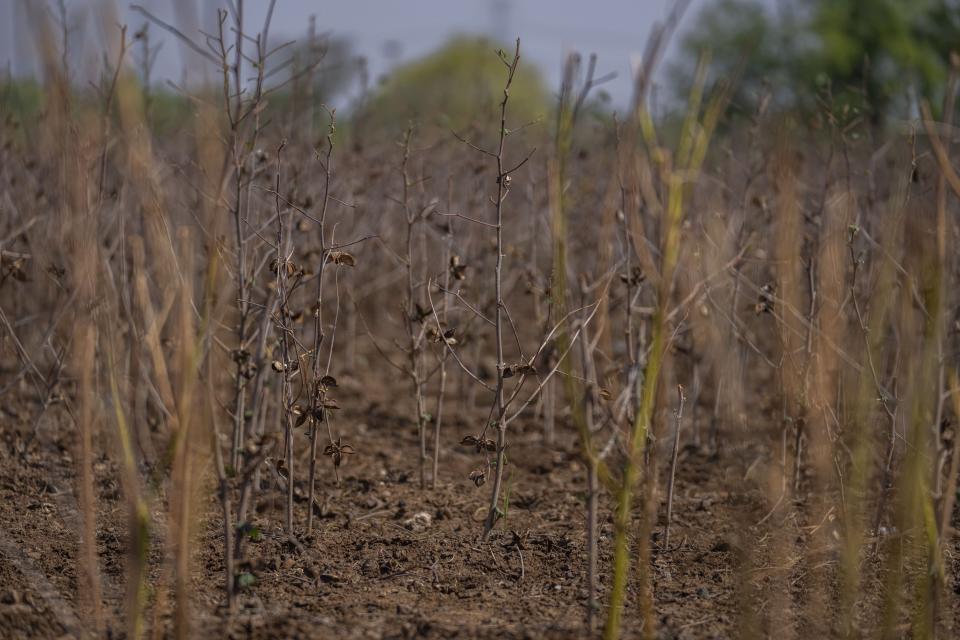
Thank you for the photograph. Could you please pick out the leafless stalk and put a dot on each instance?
(503, 188)
(673, 466)
(441, 324)
(319, 389)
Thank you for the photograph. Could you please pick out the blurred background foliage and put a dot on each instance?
(875, 58)
(861, 60)
(456, 85)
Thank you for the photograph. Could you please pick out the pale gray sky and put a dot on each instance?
(615, 30)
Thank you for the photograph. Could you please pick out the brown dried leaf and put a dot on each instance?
(479, 443)
(329, 382)
(521, 368)
(342, 258)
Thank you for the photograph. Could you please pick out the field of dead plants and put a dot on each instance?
(278, 373)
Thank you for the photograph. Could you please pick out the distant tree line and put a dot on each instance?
(872, 57)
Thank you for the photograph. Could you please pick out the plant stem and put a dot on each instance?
(502, 190)
(673, 468)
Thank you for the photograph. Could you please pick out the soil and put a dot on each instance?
(389, 560)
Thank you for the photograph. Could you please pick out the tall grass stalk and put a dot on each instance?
(694, 140)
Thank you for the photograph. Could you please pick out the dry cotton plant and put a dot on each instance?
(669, 310)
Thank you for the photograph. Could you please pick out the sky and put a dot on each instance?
(386, 32)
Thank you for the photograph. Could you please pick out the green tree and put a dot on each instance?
(872, 55)
(457, 85)
(744, 41)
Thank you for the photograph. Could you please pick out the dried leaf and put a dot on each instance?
(301, 414)
(420, 314)
(337, 450)
(342, 258)
(479, 443)
(521, 368)
(329, 382)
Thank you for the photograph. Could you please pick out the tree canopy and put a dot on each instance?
(875, 56)
(454, 85)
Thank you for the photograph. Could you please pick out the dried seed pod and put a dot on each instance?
(478, 477)
(288, 266)
(447, 336)
(457, 269)
(634, 278)
(765, 299)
